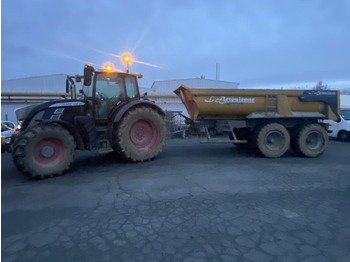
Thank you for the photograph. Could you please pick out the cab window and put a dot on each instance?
(131, 86)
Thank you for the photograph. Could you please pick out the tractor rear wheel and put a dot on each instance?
(271, 140)
(43, 151)
(309, 140)
(140, 135)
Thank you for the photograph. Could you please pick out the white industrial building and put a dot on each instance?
(16, 93)
(162, 92)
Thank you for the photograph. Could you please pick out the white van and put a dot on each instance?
(340, 130)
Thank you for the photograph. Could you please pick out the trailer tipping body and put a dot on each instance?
(257, 103)
(268, 121)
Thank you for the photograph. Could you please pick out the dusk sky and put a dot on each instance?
(257, 43)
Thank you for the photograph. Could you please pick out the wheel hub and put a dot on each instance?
(140, 133)
(275, 140)
(47, 151)
(314, 140)
(143, 134)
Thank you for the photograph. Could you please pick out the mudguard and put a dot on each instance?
(123, 109)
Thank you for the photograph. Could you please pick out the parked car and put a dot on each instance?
(340, 130)
(7, 129)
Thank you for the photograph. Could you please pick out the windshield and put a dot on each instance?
(109, 85)
(345, 113)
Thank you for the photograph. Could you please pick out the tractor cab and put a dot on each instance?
(104, 90)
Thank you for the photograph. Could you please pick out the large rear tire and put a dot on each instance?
(309, 140)
(271, 140)
(43, 151)
(140, 135)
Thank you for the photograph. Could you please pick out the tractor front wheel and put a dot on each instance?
(43, 151)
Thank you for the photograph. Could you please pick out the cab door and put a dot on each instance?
(109, 92)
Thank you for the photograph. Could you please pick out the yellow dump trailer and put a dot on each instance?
(271, 121)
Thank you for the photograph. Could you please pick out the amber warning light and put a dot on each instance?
(127, 60)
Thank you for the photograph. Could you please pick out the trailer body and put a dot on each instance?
(270, 121)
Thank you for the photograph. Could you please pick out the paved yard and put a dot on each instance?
(195, 202)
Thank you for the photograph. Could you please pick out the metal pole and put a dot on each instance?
(217, 71)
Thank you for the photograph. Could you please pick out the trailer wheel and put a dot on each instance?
(272, 140)
(309, 140)
(43, 151)
(344, 136)
(140, 135)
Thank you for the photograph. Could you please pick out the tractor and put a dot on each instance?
(109, 115)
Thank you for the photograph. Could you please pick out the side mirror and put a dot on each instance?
(88, 70)
(67, 86)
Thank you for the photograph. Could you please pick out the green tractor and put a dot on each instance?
(110, 115)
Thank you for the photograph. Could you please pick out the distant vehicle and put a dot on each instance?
(340, 130)
(7, 129)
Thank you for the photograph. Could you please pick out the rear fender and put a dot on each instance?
(135, 103)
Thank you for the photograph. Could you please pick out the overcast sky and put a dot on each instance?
(256, 42)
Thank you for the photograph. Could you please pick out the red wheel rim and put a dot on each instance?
(144, 135)
(49, 152)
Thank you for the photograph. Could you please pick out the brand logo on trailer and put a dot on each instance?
(230, 100)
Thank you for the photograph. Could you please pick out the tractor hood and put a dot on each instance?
(23, 112)
(28, 112)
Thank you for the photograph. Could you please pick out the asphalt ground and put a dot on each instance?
(194, 202)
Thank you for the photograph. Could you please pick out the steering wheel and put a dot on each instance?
(100, 96)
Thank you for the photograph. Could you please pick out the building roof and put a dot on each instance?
(36, 84)
(167, 87)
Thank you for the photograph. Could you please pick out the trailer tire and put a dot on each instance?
(309, 140)
(293, 139)
(43, 151)
(140, 135)
(271, 140)
(344, 136)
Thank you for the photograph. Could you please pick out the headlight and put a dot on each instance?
(19, 126)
